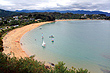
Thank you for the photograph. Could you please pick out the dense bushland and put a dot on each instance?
(30, 65)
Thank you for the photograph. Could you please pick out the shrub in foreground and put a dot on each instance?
(29, 65)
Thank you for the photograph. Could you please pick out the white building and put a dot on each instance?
(16, 17)
(0, 19)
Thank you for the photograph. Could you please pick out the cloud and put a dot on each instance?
(6, 3)
(103, 5)
(84, 6)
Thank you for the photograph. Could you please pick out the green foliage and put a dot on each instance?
(4, 13)
(29, 65)
(1, 48)
(44, 17)
(58, 15)
(0, 34)
(14, 22)
(26, 65)
(1, 43)
(81, 70)
(1, 23)
(29, 15)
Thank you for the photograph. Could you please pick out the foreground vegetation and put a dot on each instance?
(29, 65)
(1, 43)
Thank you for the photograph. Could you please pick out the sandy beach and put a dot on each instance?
(11, 41)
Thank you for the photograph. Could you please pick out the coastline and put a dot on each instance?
(75, 19)
(68, 19)
(14, 35)
(11, 41)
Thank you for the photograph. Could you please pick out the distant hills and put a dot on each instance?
(74, 12)
(4, 13)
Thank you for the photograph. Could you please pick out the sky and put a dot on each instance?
(91, 5)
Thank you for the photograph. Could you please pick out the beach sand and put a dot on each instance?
(11, 41)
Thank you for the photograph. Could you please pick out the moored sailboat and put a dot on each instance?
(43, 44)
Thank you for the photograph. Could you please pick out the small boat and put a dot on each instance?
(43, 44)
(52, 40)
(52, 36)
(42, 36)
(40, 28)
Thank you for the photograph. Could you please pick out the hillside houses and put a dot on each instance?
(15, 21)
(16, 18)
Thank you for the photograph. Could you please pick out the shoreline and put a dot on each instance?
(76, 19)
(13, 35)
(11, 41)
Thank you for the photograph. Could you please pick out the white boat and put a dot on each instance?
(43, 44)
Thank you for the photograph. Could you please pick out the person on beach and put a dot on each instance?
(21, 44)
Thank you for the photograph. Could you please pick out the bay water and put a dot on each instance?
(81, 44)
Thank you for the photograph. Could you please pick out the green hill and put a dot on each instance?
(4, 13)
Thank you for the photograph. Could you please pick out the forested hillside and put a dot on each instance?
(48, 16)
(4, 13)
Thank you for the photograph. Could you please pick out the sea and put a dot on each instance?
(80, 43)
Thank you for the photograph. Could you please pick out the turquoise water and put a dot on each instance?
(82, 44)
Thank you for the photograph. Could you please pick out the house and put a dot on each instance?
(85, 15)
(9, 21)
(16, 18)
(38, 20)
(0, 19)
(21, 16)
(7, 27)
(32, 19)
(15, 25)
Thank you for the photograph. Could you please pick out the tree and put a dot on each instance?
(29, 15)
(34, 15)
(14, 22)
(1, 23)
(5, 22)
(1, 43)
